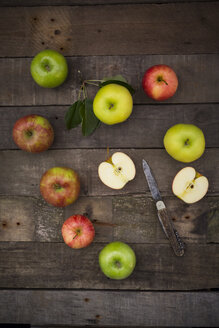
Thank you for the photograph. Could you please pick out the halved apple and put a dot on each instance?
(189, 185)
(117, 171)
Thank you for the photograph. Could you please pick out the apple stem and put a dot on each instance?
(164, 81)
(29, 133)
(83, 87)
(91, 83)
(160, 79)
(75, 235)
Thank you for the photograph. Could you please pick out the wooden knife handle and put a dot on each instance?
(172, 234)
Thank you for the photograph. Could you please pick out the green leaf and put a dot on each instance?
(116, 77)
(124, 84)
(89, 121)
(73, 116)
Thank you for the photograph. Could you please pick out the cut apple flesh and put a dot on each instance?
(189, 185)
(116, 172)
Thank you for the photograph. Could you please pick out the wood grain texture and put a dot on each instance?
(55, 265)
(132, 219)
(28, 169)
(110, 308)
(144, 129)
(190, 69)
(122, 29)
(33, 3)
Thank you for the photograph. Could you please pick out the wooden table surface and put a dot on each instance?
(43, 282)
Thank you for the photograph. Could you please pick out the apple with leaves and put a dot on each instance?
(60, 186)
(112, 104)
(78, 231)
(160, 82)
(33, 133)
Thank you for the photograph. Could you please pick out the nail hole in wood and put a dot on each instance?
(87, 300)
(42, 43)
(18, 223)
(52, 19)
(35, 18)
(98, 316)
(69, 39)
(187, 217)
(56, 32)
(61, 48)
(99, 31)
(4, 224)
(56, 118)
(174, 219)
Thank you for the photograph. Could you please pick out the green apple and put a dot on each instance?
(113, 104)
(184, 142)
(49, 68)
(117, 260)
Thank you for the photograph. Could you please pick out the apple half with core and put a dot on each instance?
(60, 186)
(160, 82)
(189, 185)
(117, 260)
(184, 142)
(49, 68)
(113, 104)
(78, 231)
(117, 171)
(33, 133)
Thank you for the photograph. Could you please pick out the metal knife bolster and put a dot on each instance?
(170, 232)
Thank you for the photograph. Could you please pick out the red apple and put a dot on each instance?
(60, 186)
(160, 82)
(78, 231)
(33, 133)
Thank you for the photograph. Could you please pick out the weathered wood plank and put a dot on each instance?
(55, 265)
(110, 308)
(142, 130)
(130, 218)
(23, 91)
(34, 3)
(122, 29)
(21, 172)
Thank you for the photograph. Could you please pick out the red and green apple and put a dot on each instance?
(33, 133)
(60, 186)
(160, 82)
(78, 231)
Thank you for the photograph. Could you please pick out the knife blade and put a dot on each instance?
(163, 215)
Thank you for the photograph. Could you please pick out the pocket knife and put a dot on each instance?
(163, 215)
